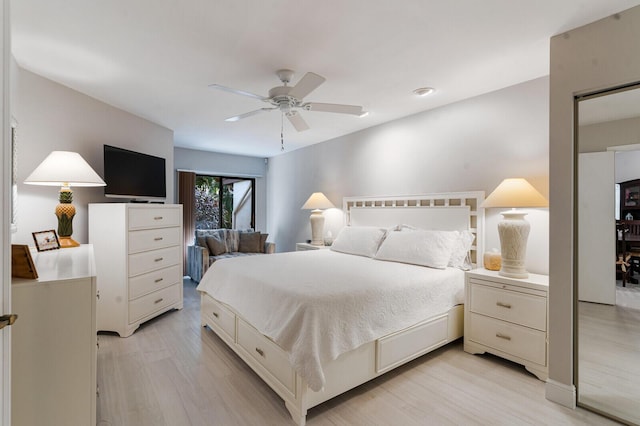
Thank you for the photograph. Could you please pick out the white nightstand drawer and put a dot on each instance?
(153, 281)
(151, 217)
(147, 305)
(151, 239)
(516, 307)
(516, 340)
(148, 261)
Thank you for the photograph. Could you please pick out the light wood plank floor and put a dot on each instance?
(609, 366)
(173, 372)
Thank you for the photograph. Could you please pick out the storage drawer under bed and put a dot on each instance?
(268, 354)
(219, 316)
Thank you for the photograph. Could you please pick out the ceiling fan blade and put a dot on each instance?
(248, 114)
(337, 108)
(237, 92)
(306, 85)
(297, 121)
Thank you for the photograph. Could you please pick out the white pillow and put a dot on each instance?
(359, 240)
(460, 254)
(425, 248)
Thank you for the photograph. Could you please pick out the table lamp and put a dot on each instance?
(514, 229)
(316, 203)
(65, 169)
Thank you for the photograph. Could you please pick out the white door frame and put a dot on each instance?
(5, 217)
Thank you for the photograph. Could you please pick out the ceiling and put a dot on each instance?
(156, 58)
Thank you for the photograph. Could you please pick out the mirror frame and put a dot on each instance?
(576, 248)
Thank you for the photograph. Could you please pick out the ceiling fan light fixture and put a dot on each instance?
(424, 91)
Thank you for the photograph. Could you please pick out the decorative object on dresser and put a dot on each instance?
(213, 244)
(514, 229)
(139, 262)
(54, 342)
(46, 240)
(22, 265)
(65, 169)
(508, 317)
(316, 203)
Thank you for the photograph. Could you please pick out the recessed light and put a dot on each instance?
(424, 91)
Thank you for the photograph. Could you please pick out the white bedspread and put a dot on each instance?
(317, 305)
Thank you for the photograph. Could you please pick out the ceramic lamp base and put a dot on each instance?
(317, 228)
(513, 232)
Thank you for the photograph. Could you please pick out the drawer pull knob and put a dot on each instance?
(260, 352)
(504, 305)
(159, 300)
(157, 218)
(215, 314)
(503, 336)
(159, 259)
(158, 280)
(157, 239)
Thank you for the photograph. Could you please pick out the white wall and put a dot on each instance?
(627, 165)
(597, 56)
(53, 117)
(469, 145)
(229, 165)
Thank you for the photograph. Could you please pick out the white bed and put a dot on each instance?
(305, 346)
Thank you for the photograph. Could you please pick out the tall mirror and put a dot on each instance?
(608, 253)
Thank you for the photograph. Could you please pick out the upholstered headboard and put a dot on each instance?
(444, 211)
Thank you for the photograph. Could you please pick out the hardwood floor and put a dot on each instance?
(173, 372)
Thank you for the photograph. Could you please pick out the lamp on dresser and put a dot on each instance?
(316, 203)
(65, 169)
(514, 229)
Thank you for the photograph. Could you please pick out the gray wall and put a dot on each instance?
(600, 55)
(597, 137)
(53, 117)
(469, 145)
(230, 165)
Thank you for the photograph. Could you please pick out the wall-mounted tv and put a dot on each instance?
(134, 175)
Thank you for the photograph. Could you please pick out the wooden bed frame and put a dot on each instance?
(445, 211)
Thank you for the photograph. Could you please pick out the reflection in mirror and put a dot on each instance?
(608, 254)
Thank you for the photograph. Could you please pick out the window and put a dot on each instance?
(224, 202)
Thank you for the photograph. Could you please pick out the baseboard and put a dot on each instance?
(560, 393)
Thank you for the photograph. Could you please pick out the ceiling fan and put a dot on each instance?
(289, 99)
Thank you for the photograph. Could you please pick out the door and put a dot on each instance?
(596, 228)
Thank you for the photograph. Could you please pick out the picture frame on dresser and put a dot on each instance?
(46, 240)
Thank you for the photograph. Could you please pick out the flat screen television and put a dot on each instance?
(134, 175)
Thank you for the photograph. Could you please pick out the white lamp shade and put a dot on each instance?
(515, 192)
(64, 168)
(317, 201)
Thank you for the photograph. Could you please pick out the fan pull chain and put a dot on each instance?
(282, 132)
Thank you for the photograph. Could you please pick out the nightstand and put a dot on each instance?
(508, 317)
(307, 246)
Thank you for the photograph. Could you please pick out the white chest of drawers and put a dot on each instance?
(139, 252)
(508, 317)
